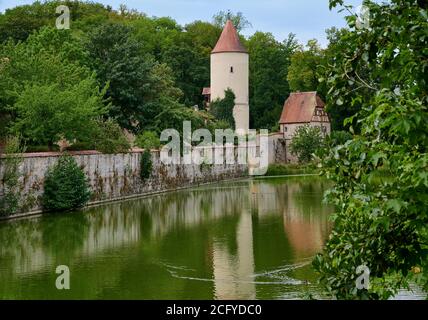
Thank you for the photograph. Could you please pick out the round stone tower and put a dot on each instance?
(230, 69)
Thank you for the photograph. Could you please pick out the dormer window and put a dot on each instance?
(231, 69)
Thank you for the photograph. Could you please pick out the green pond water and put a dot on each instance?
(248, 239)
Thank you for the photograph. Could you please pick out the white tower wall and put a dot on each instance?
(223, 78)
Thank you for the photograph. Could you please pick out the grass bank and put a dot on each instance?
(291, 169)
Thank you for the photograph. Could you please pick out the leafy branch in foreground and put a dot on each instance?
(381, 176)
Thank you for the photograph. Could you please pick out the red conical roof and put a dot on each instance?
(229, 40)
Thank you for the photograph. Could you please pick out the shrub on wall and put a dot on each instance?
(109, 138)
(305, 142)
(222, 109)
(66, 186)
(9, 201)
(338, 138)
(146, 165)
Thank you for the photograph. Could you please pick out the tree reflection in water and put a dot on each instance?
(239, 240)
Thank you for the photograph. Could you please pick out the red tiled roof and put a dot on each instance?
(206, 91)
(300, 107)
(229, 40)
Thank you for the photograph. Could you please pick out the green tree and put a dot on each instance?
(148, 140)
(238, 19)
(305, 142)
(302, 73)
(172, 116)
(139, 87)
(109, 137)
(47, 113)
(49, 58)
(381, 176)
(204, 34)
(118, 61)
(20, 22)
(269, 87)
(190, 67)
(65, 186)
(146, 165)
(10, 162)
(222, 109)
(342, 105)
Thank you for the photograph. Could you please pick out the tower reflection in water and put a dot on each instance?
(242, 240)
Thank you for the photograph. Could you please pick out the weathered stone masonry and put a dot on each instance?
(117, 176)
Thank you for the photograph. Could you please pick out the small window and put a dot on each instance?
(285, 129)
(231, 69)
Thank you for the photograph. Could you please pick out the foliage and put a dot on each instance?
(269, 87)
(238, 20)
(116, 57)
(290, 169)
(4, 121)
(9, 165)
(173, 115)
(338, 138)
(302, 73)
(152, 64)
(222, 109)
(47, 57)
(19, 23)
(47, 113)
(109, 138)
(341, 105)
(139, 87)
(45, 93)
(190, 67)
(306, 140)
(146, 165)
(65, 187)
(382, 224)
(148, 140)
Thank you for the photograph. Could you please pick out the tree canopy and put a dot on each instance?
(381, 176)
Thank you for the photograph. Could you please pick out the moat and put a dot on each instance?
(248, 239)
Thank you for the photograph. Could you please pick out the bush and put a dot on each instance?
(148, 140)
(305, 142)
(109, 138)
(43, 148)
(333, 140)
(49, 113)
(79, 146)
(222, 109)
(66, 186)
(146, 165)
(9, 201)
(338, 138)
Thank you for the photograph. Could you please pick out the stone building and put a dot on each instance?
(303, 108)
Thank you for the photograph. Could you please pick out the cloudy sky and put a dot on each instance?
(308, 19)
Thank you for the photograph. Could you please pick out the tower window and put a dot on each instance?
(231, 69)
